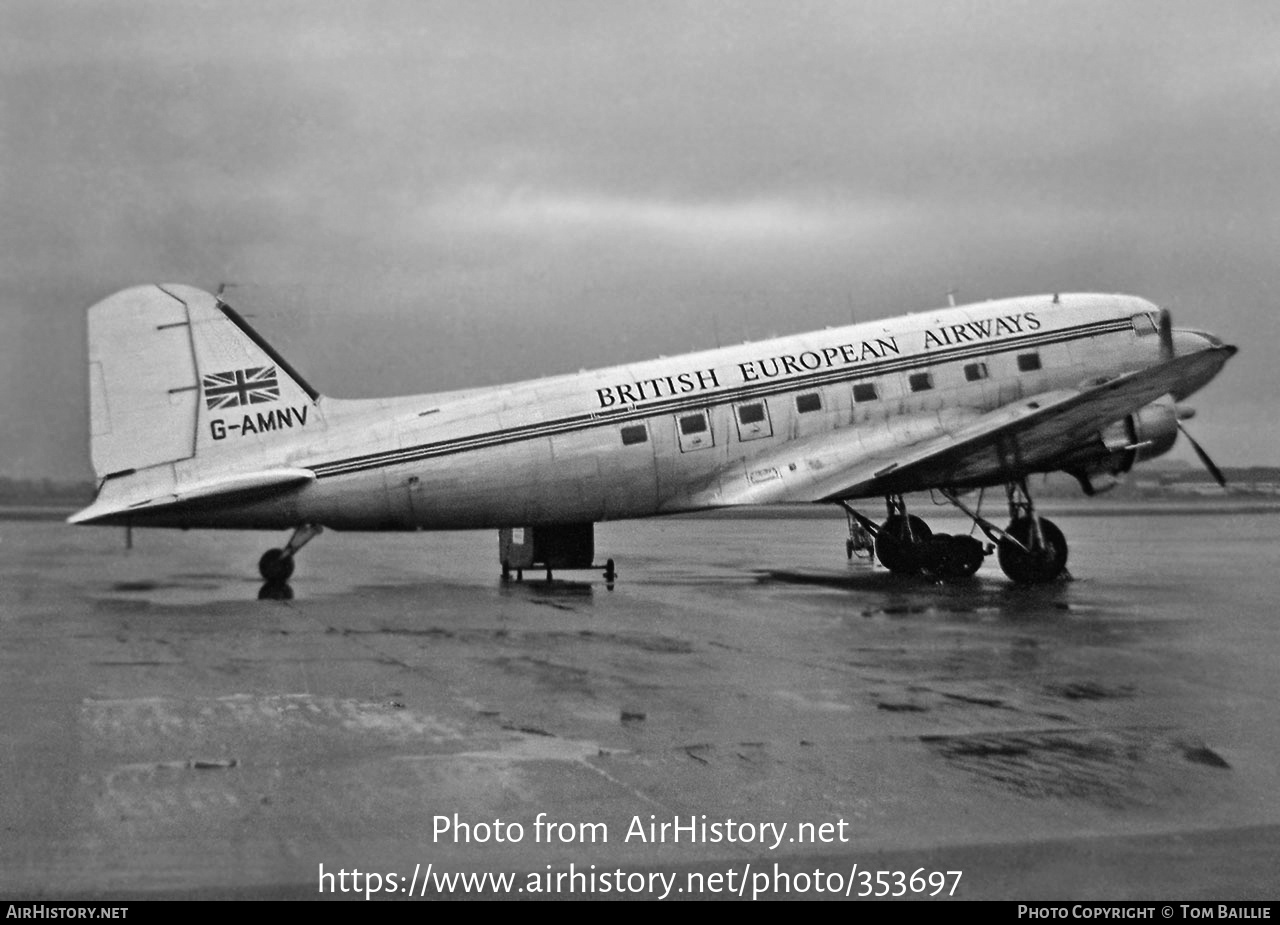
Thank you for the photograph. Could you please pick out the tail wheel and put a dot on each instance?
(275, 565)
(1034, 565)
(900, 543)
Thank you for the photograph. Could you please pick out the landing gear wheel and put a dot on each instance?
(951, 557)
(275, 565)
(1038, 565)
(965, 557)
(935, 555)
(900, 543)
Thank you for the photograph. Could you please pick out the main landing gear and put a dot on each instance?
(905, 545)
(276, 565)
(1031, 550)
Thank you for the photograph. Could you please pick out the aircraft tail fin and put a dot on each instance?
(175, 374)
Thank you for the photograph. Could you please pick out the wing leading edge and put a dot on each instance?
(950, 450)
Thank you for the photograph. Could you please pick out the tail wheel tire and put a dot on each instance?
(901, 542)
(275, 565)
(1033, 566)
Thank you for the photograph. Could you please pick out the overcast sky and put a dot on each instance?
(420, 196)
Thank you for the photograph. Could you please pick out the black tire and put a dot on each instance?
(935, 555)
(1039, 565)
(952, 558)
(900, 543)
(965, 557)
(275, 565)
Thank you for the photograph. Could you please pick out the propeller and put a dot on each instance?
(1204, 457)
(1166, 335)
(1165, 328)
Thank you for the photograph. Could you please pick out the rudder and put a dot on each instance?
(174, 373)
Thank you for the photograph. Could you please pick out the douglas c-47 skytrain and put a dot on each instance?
(198, 422)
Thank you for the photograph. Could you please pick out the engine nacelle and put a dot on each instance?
(1147, 433)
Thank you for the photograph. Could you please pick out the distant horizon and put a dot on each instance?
(67, 491)
(1137, 470)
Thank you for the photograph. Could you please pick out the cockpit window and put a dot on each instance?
(1143, 324)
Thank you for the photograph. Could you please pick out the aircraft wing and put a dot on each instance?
(119, 498)
(955, 449)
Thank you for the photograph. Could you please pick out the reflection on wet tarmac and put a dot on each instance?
(738, 668)
(275, 591)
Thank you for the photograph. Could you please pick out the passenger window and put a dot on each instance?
(810, 401)
(634, 433)
(694, 431)
(920, 382)
(1143, 325)
(753, 421)
(975, 372)
(693, 424)
(865, 391)
(1028, 362)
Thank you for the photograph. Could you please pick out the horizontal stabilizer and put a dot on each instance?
(125, 495)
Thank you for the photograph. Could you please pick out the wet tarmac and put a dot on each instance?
(167, 733)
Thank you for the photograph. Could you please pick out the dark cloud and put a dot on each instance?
(432, 195)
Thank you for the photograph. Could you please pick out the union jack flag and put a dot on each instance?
(241, 387)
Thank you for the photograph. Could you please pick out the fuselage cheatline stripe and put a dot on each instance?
(614, 416)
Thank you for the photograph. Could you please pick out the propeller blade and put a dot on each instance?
(1204, 458)
(1166, 334)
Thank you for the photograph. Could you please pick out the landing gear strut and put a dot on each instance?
(905, 545)
(902, 539)
(1033, 549)
(277, 564)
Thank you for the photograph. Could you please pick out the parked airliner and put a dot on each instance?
(196, 421)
